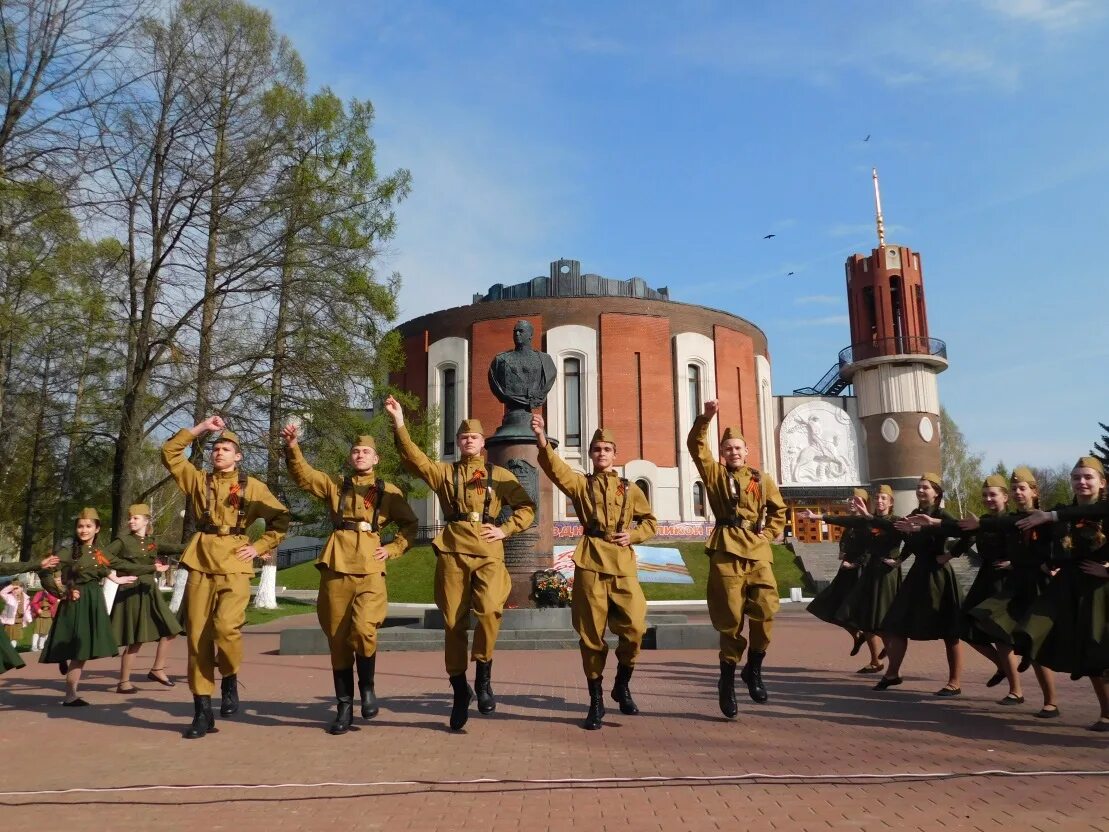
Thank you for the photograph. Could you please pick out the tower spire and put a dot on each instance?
(878, 209)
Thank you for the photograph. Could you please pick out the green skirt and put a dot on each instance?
(988, 583)
(141, 615)
(828, 601)
(1066, 629)
(9, 659)
(999, 615)
(869, 603)
(81, 629)
(928, 606)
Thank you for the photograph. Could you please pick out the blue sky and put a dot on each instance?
(665, 139)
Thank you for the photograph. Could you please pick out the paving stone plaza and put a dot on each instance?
(824, 753)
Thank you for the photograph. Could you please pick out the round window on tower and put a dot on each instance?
(890, 430)
(926, 429)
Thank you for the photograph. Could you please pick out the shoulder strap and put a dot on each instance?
(485, 518)
(241, 519)
(379, 493)
(623, 505)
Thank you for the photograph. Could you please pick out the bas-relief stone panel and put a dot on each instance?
(820, 446)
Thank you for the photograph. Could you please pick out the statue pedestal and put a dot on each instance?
(531, 549)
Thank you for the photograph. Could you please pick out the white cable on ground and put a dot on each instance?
(587, 782)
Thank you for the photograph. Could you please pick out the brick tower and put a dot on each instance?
(892, 363)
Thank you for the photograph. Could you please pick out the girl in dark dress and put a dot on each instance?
(1067, 627)
(140, 614)
(1023, 579)
(852, 552)
(81, 630)
(929, 605)
(862, 609)
(988, 582)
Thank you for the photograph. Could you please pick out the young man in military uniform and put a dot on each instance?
(220, 562)
(606, 578)
(750, 513)
(469, 567)
(353, 602)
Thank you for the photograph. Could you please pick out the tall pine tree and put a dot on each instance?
(1101, 449)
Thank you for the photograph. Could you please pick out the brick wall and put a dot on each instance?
(413, 377)
(737, 387)
(637, 386)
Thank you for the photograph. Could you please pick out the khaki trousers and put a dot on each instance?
(462, 582)
(215, 610)
(350, 609)
(613, 600)
(739, 587)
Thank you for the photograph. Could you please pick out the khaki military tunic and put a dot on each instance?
(469, 571)
(741, 581)
(218, 590)
(353, 600)
(606, 582)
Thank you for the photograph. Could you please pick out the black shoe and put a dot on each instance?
(996, 679)
(595, 718)
(366, 666)
(483, 677)
(344, 695)
(887, 682)
(1011, 699)
(726, 688)
(1048, 713)
(752, 675)
(948, 692)
(860, 640)
(75, 703)
(463, 696)
(621, 693)
(203, 720)
(229, 695)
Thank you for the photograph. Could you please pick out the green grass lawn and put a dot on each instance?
(410, 577)
(285, 606)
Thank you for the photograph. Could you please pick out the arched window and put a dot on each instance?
(645, 487)
(699, 509)
(571, 387)
(571, 509)
(694, 381)
(450, 412)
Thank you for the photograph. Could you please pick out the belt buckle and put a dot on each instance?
(474, 516)
(224, 531)
(363, 526)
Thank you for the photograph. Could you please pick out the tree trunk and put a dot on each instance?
(28, 537)
(266, 598)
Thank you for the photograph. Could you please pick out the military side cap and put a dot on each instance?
(996, 481)
(732, 433)
(229, 436)
(138, 510)
(364, 441)
(470, 426)
(1022, 473)
(1090, 462)
(603, 435)
(88, 513)
(861, 493)
(885, 489)
(932, 478)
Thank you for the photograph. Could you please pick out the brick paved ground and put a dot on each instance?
(821, 719)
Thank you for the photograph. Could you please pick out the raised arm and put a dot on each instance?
(414, 459)
(565, 478)
(304, 475)
(698, 443)
(185, 474)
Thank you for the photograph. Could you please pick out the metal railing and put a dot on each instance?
(904, 345)
(832, 384)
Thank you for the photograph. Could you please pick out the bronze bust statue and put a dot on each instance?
(521, 379)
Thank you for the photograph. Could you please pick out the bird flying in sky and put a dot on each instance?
(768, 236)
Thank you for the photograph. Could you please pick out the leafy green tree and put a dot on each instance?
(961, 470)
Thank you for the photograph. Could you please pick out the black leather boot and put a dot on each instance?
(463, 696)
(229, 695)
(344, 695)
(620, 691)
(752, 675)
(203, 720)
(483, 677)
(366, 666)
(726, 687)
(595, 718)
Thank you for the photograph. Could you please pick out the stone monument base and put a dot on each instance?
(532, 549)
